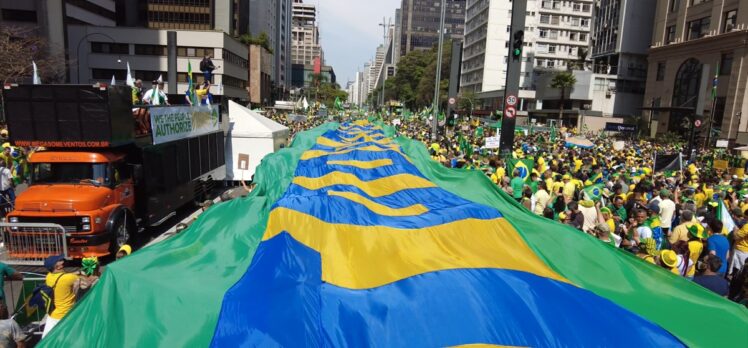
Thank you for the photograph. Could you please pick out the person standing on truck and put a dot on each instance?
(207, 67)
(137, 92)
(156, 95)
(64, 286)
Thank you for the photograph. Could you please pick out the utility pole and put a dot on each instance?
(437, 84)
(385, 28)
(513, 72)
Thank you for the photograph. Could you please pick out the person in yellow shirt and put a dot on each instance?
(741, 248)
(64, 286)
(569, 186)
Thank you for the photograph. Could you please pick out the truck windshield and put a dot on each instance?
(70, 173)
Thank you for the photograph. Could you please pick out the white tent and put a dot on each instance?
(251, 136)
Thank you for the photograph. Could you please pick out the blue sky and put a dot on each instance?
(350, 32)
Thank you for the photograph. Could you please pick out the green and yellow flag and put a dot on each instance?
(524, 166)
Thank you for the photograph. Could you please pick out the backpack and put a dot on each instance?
(44, 297)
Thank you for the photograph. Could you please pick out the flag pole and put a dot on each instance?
(715, 82)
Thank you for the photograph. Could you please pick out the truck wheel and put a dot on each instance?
(122, 234)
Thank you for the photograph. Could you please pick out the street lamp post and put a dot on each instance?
(437, 83)
(78, 49)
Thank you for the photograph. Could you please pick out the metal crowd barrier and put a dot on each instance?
(28, 243)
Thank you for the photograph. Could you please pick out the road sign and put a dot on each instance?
(510, 112)
(511, 100)
(452, 101)
(697, 123)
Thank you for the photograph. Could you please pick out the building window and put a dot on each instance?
(661, 71)
(108, 47)
(582, 37)
(674, 5)
(670, 34)
(551, 49)
(600, 84)
(696, 2)
(148, 75)
(234, 82)
(197, 78)
(573, 36)
(698, 28)
(150, 50)
(725, 64)
(106, 74)
(199, 52)
(19, 15)
(685, 92)
(545, 19)
(234, 59)
(731, 18)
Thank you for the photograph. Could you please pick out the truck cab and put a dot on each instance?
(102, 169)
(88, 193)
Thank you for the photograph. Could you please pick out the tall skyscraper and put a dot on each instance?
(283, 45)
(690, 40)
(305, 47)
(420, 23)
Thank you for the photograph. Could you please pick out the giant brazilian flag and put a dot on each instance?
(353, 238)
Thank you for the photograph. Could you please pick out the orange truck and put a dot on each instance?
(96, 174)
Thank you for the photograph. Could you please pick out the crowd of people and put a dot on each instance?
(692, 221)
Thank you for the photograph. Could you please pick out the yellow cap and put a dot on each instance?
(126, 248)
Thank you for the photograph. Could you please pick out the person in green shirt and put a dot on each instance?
(6, 273)
(618, 209)
(517, 184)
(533, 182)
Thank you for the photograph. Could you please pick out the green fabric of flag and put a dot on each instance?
(553, 134)
(479, 132)
(338, 103)
(524, 166)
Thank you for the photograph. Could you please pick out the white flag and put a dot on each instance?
(113, 81)
(37, 79)
(160, 79)
(306, 105)
(130, 82)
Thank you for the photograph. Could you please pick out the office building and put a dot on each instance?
(282, 69)
(690, 40)
(305, 46)
(419, 24)
(556, 34)
(228, 16)
(260, 75)
(105, 51)
(273, 17)
(49, 18)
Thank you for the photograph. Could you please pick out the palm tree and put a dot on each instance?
(563, 80)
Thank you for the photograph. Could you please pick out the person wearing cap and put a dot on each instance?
(696, 236)
(653, 222)
(668, 259)
(123, 251)
(64, 286)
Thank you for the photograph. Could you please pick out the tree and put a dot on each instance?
(467, 101)
(19, 47)
(413, 84)
(261, 40)
(563, 80)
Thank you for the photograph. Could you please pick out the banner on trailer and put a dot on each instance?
(179, 122)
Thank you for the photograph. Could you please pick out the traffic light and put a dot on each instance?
(517, 43)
